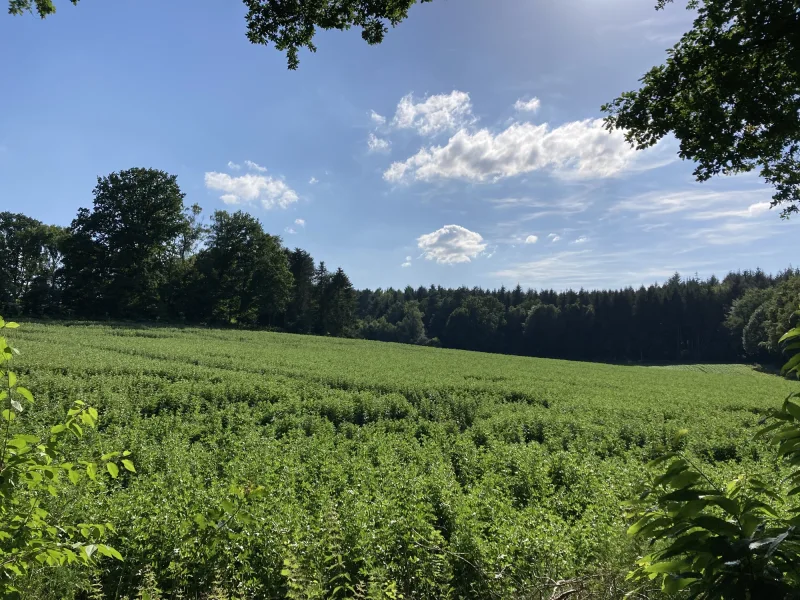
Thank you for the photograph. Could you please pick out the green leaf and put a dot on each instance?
(74, 476)
(91, 471)
(113, 469)
(792, 333)
(672, 584)
(228, 506)
(674, 566)
(12, 379)
(791, 364)
(11, 325)
(9, 415)
(792, 408)
(729, 505)
(25, 393)
(128, 464)
(716, 525)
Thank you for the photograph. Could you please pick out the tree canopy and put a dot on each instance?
(729, 92)
(290, 25)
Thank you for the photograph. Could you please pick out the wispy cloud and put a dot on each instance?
(376, 144)
(255, 166)
(313, 181)
(233, 166)
(531, 239)
(531, 105)
(300, 222)
(376, 118)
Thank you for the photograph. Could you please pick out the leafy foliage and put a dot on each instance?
(292, 25)
(729, 92)
(740, 540)
(43, 8)
(33, 467)
(412, 471)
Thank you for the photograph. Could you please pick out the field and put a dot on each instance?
(388, 470)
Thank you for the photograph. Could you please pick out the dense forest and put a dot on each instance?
(140, 254)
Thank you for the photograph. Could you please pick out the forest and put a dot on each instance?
(141, 254)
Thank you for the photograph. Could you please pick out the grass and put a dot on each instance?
(388, 470)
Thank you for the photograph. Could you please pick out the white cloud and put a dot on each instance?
(290, 231)
(579, 149)
(702, 204)
(531, 105)
(376, 118)
(734, 233)
(300, 222)
(377, 144)
(313, 180)
(249, 188)
(233, 166)
(434, 114)
(596, 270)
(531, 239)
(554, 237)
(451, 244)
(254, 166)
(581, 240)
(407, 263)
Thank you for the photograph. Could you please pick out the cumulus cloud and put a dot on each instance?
(377, 144)
(451, 244)
(313, 180)
(581, 240)
(434, 114)
(531, 105)
(248, 189)
(554, 237)
(290, 231)
(407, 263)
(578, 149)
(531, 239)
(255, 166)
(376, 118)
(300, 222)
(233, 166)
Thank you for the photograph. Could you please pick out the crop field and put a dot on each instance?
(388, 471)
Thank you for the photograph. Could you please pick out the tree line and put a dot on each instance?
(141, 254)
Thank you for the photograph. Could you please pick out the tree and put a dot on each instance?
(244, 273)
(290, 24)
(411, 329)
(729, 92)
(41, 7)
(338, 307)
(116, 257)
(300, 310)
(474, 325)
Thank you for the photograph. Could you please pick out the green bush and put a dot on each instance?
(33, 470)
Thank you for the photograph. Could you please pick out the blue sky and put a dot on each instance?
(466, 149)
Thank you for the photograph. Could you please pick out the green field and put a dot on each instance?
(389, 470)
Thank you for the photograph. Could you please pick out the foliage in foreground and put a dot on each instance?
(737, 540)
(33, 467)
(388, 469)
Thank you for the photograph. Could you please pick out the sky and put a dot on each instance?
(466, 149)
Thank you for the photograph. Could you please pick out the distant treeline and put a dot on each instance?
(140, 254)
